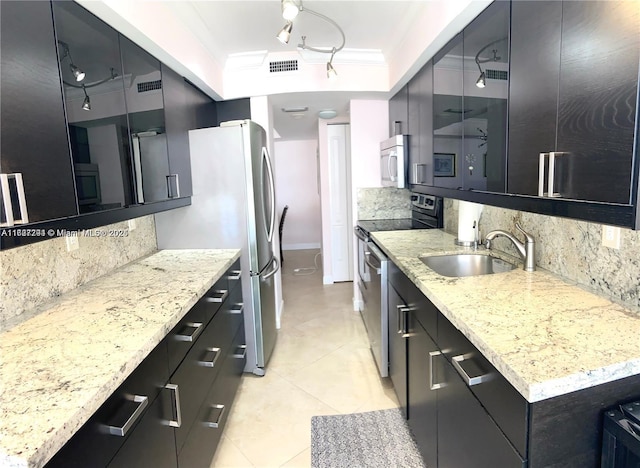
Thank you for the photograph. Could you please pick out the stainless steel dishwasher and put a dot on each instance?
(375, 311)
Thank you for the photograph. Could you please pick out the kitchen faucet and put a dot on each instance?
(526, 250)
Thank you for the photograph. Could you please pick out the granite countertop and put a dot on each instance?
(548, 337)
(58, 367)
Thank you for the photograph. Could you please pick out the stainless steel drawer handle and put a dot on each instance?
(191, 337)
(212, 362)
(240, 352)
(237, 309)
(235, 275)
(432, 383)
(458, 363)
(177, 422)
(218, 297)
(215, 409)
(142, 401)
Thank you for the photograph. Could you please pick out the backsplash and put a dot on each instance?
(33, 274)
(572, 249)
(383, 203)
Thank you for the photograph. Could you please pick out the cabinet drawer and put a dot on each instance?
(503, 402)
(93, 445)
(203, 438)
(184, 335)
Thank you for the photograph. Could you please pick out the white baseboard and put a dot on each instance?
(327, 279)
(312, 245)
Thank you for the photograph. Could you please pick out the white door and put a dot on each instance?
(340, 202)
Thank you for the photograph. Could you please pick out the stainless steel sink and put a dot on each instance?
(457, 265)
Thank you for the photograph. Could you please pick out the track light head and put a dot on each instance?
(289, 9)
(481, 83)
(86, 104)
(285, 33)
(332, 74)
(77, 73)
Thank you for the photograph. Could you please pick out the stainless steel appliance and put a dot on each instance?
(233, 206)
(426, 213)
(393, 161)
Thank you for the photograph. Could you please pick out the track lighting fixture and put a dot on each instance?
(77, 72)
(290, 10)
(285, 33)
(86, 104)
(482, 79)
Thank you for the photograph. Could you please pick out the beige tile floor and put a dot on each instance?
(321, 365)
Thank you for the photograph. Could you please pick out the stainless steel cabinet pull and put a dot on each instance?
(142, 401)
(458, 363)
(215, 409)
(177, 422)
(551, 175)
(193, 336)
(6, 199)
(541, 166)
(219, 297)
(235, 275)
(432, 384)
(169, 191)
(237, 309)
(212, 363)
(240, 352)
(403, 311)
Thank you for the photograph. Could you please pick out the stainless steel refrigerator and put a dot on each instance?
(233, 206)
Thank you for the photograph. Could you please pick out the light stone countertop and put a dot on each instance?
(548, 337)
(58, 367)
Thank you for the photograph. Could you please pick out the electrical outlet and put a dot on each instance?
(611, 236)
(132, 224)
(72, 243)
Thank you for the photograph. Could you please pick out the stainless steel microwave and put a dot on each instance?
(393, 161)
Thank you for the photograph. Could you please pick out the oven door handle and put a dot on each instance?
(367, 260)
(360, 235)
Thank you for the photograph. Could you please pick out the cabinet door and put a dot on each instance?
(486, 90)
(467, 436)
(597, 100)
(422, 387)
(397, 347)
(145, 109)
(152, 442)
(448, 112)
(96, 108)
(421, 127)
(34, 136)
(533, 96)
(398, 117)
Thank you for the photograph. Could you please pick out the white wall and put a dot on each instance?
(297, 186)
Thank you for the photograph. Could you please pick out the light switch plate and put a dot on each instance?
(132, 224)
(611, 237)
(72, 243)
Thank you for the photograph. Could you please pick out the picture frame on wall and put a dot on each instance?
(444, 164)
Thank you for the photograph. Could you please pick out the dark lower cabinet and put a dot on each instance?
(467, 436)
(398, 348)
(172, 418)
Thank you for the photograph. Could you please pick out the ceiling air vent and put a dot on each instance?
(283, 66)
(497, 75)
(149, 86)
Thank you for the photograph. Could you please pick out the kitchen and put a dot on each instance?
(570, 248)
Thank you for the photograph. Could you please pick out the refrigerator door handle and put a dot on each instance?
(272, 196)
(273, 261)
(137, 170)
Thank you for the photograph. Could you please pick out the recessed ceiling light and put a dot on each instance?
(327, 114)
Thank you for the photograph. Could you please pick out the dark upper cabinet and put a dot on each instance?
(145, 110)
(398, 113)
(420, 93)
(94, 92)
(448, 113)
(573, 99)
(486, 90)
(34, 135)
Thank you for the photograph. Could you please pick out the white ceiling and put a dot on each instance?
(240, 26)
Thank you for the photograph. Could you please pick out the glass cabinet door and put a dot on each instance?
(93, 85)
(145, 107)
(486, 90)
(448, 113)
